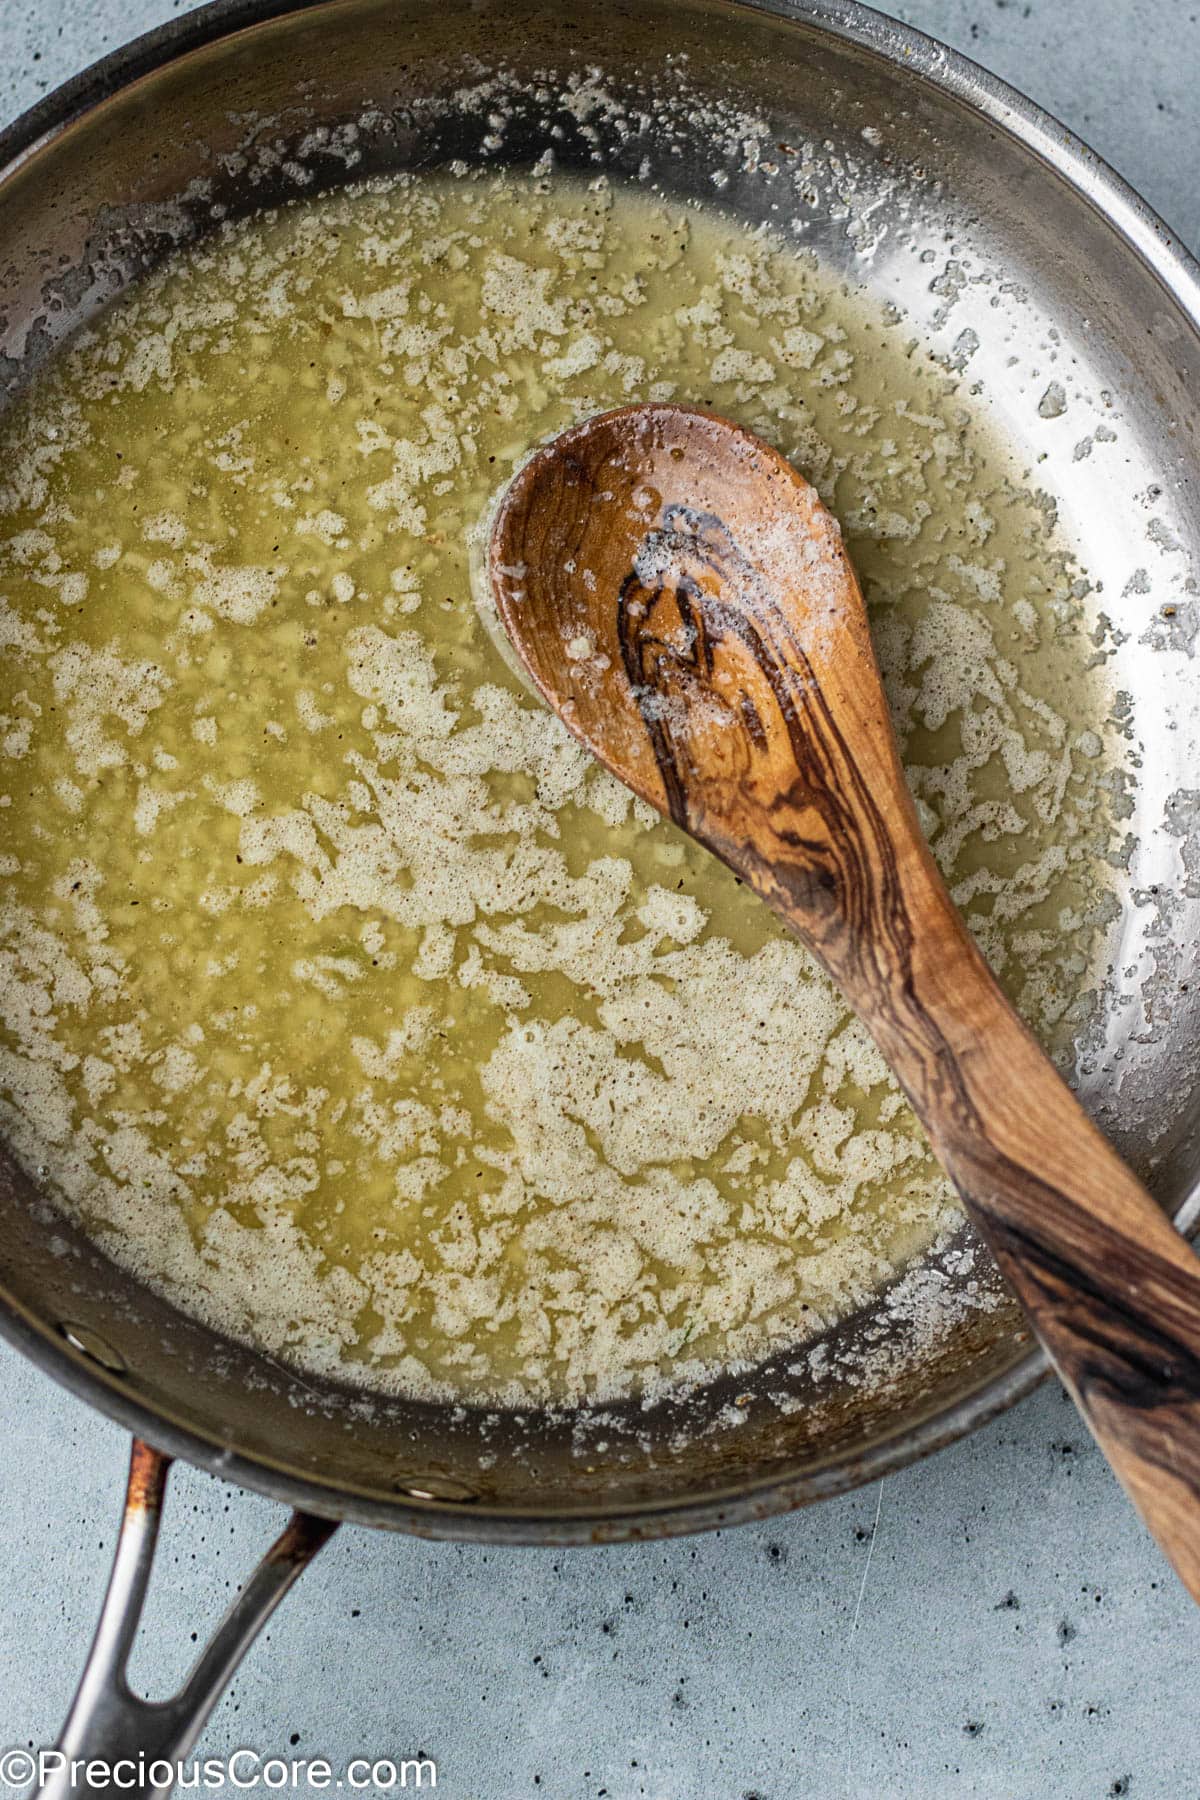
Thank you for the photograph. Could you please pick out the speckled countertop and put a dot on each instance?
(993, 1623)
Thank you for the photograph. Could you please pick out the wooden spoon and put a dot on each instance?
(682, 599)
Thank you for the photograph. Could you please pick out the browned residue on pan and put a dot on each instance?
(147, 1479)
(300, 1540)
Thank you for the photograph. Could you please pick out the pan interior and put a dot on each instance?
(1009, 278)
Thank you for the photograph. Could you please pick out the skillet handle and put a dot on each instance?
(107, 1721)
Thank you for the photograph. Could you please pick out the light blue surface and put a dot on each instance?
(995, 1623)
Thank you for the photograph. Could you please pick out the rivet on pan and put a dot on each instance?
(90, 1344)
(434, 1487)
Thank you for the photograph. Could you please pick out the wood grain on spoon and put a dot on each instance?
(681, 597)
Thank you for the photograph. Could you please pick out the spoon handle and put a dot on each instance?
(1111, 1288)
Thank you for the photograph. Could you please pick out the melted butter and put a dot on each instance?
(343, 998)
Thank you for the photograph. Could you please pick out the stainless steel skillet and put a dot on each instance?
(909, 170)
